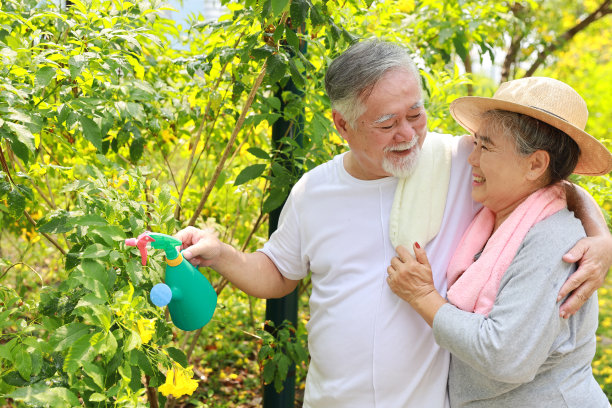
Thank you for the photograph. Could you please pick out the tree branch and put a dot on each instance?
(28, 216)
(602, 10)
(198, 135)
(229, 145)
(515, 43)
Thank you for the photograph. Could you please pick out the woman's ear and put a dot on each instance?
(538, 165)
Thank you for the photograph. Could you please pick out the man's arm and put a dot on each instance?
(593, 253)
(253, 273)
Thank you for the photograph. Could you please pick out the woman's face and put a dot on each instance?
(500, 176)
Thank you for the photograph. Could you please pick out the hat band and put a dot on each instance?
(550, 113)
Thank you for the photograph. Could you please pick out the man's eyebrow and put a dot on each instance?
(384, 118)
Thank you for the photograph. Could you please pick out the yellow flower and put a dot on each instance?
(179, 381)
(146, 328)
(335, 139)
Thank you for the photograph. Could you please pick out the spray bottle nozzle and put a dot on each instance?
(159, 241)
(141, 243)
(165, 242)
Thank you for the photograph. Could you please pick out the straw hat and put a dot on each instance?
(545, 99)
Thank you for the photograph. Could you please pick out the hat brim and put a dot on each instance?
(594, 160)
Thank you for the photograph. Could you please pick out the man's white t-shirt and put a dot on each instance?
(368, 347)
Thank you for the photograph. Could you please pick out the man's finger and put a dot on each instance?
(570, 284)
(576, 253)
(573, 303)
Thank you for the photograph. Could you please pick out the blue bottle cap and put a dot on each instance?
(161, 295)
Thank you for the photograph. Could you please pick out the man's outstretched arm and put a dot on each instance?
(593, 254)
(253, 273)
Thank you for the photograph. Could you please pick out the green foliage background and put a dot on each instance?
(106, 131)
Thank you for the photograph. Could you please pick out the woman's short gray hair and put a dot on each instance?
(353, 74)
(530, 134)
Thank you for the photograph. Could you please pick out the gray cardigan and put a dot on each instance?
(523, 354)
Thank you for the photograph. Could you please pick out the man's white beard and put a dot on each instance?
(402, 166)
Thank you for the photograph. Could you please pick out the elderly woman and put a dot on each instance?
(501, 321)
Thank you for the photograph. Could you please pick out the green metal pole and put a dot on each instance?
(279, 310)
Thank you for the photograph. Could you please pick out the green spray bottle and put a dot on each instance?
(190, 297)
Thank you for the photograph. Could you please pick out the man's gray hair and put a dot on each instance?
(352, 75)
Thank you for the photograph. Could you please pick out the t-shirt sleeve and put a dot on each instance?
(284, 245)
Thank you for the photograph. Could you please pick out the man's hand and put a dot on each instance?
(200, 247)
(594, 255)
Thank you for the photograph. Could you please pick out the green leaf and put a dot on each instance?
(459, 42)
(56, 224)
(95, 251)
(95, 372)
(269, 371)
(132, 341)
(316, 18)
(40, 394)
(178, 356)
(16, 202)
(91, 132)
(136, 111)
(6, 350)
(276, 68)
(23, 135)
(106, 345)
(299, 12)
(262, 52)
(278, 6)
(97, 397)
(296, 76)
(89, 220)
(13, 378)
(134, 270)
(23, 361)
(75, 357)
(99, 272)
(139, 358)
(259, 153)
(136, 148)
(275, 199)
(292, 39)
(5, 187)
(249, 173)
(44, 76)
(76, 63)
(135, 378)
(283, 365)
(66, 335)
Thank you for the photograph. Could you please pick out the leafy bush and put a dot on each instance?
(106, 131)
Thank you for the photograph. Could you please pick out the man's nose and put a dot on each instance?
(406, 132)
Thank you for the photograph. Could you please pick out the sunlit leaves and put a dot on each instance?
(249, 173)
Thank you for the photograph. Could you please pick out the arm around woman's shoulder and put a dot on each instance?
(515, 339)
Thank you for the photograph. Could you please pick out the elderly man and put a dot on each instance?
(368, 348)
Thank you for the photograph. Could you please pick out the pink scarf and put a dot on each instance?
(473, 285)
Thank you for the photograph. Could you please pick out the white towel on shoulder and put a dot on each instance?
(420, 199)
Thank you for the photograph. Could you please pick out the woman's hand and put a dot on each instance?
(411, 279)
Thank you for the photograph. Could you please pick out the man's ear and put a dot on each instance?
(341, 124)
(538, 164)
